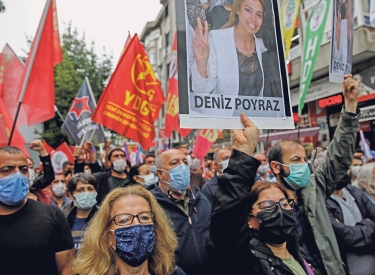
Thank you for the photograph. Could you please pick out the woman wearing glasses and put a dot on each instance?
(252, 228)
(130, 234)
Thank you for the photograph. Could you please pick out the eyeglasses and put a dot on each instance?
(127, 219)
(270, 205)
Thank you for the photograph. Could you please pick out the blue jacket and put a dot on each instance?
(209, 188)
(192, 230)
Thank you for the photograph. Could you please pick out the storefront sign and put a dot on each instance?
(367, 113)
(330, 101)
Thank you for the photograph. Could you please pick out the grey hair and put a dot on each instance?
(159, 161)
(11, 150)
(216, 154)
(365, 175)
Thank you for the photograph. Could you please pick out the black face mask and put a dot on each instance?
(275, 226)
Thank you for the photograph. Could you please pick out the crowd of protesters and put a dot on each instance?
(247, 213)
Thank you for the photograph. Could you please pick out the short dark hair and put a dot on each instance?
(114, 150)
(85, 178)
(148, 156)
(276, 152)
(358, 158)
(30, 160)
(66, 163)
(134, 171)
(259, 187)
(359, 151)
(11, 150)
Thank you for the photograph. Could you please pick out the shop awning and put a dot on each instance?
(292, 134)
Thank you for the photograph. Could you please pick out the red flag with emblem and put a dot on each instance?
(171, 117)
(59, 156)
(131, 102)
(205, 139)
(37, 80)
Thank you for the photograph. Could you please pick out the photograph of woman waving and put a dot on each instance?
(241, 58)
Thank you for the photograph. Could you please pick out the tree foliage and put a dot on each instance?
(2, 6)
(79, 60)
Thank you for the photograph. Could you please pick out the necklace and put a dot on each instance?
(244, 54)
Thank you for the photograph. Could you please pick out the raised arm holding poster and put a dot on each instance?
(238, 68)
(341, 40)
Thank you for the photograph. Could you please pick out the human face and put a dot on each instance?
(83, 187)
(127, 205)
(68, 167)
(360, 155)
(356, 162)
(13, 163)
(117, 155)
(272, 193)
(250, 16)
(262, 158)
(171, 159)
(144, 170)
(293, 153)
(30, 164)
(58, 179)
(222, 155)
(150, 161)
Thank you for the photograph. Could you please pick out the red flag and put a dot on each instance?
(45, 54)
(205, 139)
(171, 117)
(131, 102)
(60, 155)
(127, 43)
(11, 69)
(49, 149)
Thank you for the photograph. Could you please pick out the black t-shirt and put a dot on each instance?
(30, 238)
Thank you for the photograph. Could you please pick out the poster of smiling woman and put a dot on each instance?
(239, 66)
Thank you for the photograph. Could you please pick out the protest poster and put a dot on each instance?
(341, 40)
(289, 13)
(237, 67)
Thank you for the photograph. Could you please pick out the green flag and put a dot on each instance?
(313, 39)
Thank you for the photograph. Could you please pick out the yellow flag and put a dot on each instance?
(289, 13)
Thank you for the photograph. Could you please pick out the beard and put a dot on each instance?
(283, 175)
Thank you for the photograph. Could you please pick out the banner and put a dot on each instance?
(313, 39)
(78, 120)
(205, 139)
(341, 40)
(289, 14)
(219, 77)
(37, 87)
(372, 13)
(131, 102)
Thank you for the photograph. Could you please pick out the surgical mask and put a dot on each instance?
(148, 179)
(262, 170)
(299, 175)
(153, 168)
(32, 176)
(188, 157)
(195, 164)
(59, 189)
(119, 165)
(14, 188)
(371, 191)
(86, 200)
(87, 171)
(134, 244)
(355, 170)
(224, 163)
(275, 226)
(180, 177)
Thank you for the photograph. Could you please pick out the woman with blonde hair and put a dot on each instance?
(234, 60)
(130, 234)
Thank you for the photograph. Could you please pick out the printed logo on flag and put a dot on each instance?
(289, 14)
(318, 16)
(57, 159)
(80, 105)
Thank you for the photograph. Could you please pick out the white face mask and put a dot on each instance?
(87, 171)
(224, 163)
(355, 170)
(59, 189)
(371, 191)
(149, 179)
(119, 165)
(32, 176)
(262, 170)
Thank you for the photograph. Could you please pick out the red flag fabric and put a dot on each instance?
(11, 69)
(39, 99)
(131, 102)
(205, 139)
(59, 156)
(127, 43)
(49, 149)
(171, 117)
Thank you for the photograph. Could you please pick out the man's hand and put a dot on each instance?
(246, 140)
(87, 146)
(78, 154)
(350, 89)
(37, 145)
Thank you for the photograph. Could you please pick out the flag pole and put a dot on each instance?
(66, 125)
(28, 69)
(85, 134)
(93, 133)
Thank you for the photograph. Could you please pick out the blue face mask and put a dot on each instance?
(299, 175)
(14, 188)
(180, 177)
(134, 244)
(85, 200)
(153, 169)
